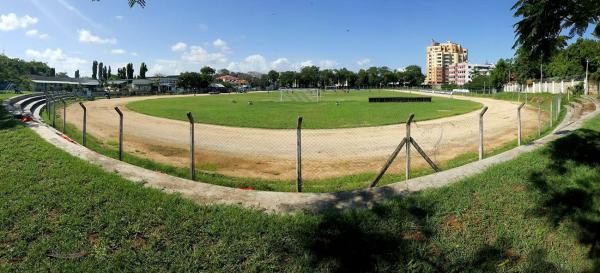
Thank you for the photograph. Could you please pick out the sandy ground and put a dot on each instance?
(269, 153)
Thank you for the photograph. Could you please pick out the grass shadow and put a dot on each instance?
(7, 120)
(402, 235)
(570, 187)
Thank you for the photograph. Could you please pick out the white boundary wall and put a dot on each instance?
(554, 87)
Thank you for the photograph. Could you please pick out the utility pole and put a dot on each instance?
(587, 64)
(541, 71)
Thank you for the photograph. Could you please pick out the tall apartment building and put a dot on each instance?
(461, 73)
(439, 57)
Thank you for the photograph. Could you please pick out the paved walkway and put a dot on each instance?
(283, 202)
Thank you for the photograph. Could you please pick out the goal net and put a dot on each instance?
(300, 95)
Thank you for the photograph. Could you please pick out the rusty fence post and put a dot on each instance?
(299, 155)
(481, 132)
(192, 148)
(539, 114)
(120, 133)
(48, 105)
(64, 118)
(519, 130)
(53, 111)
(408, 123)
(83, 133)
(551, 115)
(558, 107)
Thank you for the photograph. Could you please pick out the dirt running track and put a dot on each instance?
(270, 153)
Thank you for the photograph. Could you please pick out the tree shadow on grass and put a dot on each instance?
(399, 236)
(356, 241)
(570, 187)
(7, 121)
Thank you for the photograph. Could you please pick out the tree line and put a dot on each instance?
(567, 62)
(102, 73)
(15, 70)
(309, 77)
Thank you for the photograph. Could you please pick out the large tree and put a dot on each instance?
(100, 71)
(499, 75)
(94, 70)
(273, 76)
(77, 74)
(543, 23)
(572, 60)
(412, 75)
(287, 78)
(104, 74)
(130, 71)
(143, 70)
(309, 76)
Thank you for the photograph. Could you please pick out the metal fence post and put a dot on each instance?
(64, 118)
(53, 112)
(192, 148)
(551, 115)
(520, 135)
(48, 105)
(83, 133)
(299, 155)
(481, 132)
(558, 108)
(120, 133)
(408, 122)
(539, 119)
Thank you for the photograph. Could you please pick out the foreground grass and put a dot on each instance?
(266, 111)
(537, 213)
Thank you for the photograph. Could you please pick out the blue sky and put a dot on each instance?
(250, 35)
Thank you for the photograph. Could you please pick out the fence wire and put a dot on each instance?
(352, 155)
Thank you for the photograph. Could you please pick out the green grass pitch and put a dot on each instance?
(335, 109)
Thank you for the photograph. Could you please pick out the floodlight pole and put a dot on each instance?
(587, 64)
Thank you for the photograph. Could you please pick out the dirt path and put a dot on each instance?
(269, 153)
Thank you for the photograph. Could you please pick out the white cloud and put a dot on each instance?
(168, 67)
(118, 51)
(58, 59)
(180, 46)
(254, 62)
(119, 17)
(305, 63)
(85, 36)
(36, 33)
(134, 54)
(281, 64)
(199, 55)
(363, 62)
(11, 21)
(221, 45)
(328, 64)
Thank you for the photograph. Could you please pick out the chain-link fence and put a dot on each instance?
(324, 159)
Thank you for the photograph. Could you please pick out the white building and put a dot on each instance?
(462, 73)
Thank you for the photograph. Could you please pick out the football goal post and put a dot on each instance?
(300, 95)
